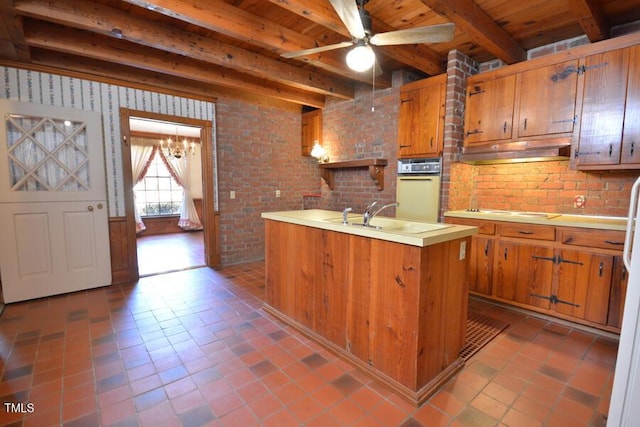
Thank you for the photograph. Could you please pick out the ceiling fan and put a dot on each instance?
(358, 22)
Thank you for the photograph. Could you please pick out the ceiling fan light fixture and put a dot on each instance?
(361, 58)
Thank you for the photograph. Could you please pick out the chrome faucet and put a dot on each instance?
(370, 213)
(345, 218)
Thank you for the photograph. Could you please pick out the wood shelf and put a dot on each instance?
(376, 170)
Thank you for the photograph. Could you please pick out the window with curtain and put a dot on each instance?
(158, 193)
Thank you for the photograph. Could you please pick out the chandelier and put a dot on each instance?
(174, 149)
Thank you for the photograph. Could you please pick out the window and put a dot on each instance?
(158, 193)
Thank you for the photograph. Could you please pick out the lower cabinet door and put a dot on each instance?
(584, 285)
(524, 273)
(481, 265)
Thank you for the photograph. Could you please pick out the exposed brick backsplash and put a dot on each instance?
(540, 187)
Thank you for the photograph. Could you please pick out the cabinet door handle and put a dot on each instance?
(525, 232)
(405, 146)
(431, 142)
(486, 249)
(600, 269)
(610, 149)
(504, 127)
(525, 124)
(632, 147)
(613, 242)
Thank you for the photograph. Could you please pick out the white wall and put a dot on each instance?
(69, 92)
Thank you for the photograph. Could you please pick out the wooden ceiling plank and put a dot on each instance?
(77, 42)
(420, 57)
(469, 18)
(222, 17)
(119, 24)
(591, 19)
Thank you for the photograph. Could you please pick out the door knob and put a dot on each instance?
(90, 208)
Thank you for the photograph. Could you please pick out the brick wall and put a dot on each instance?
(351, 130)
(258, 153)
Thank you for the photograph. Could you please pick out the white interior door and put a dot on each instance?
(54, 234)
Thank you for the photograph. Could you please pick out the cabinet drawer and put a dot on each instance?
(528, 231)
(484, 227)
(602, 239)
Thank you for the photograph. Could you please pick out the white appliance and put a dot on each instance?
(418, 189)
(624, 409)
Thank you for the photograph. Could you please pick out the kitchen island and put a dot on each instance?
(391, 300)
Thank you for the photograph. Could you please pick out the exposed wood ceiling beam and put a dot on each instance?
(421, 57)
(234, 22)
(468, 16)
(104, 20)
(591, 19)
(82, 67)
(77, 42)
(12, 45)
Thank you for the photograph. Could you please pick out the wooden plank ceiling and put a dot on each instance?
(231, 48)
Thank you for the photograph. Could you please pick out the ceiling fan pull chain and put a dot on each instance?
(373, 85)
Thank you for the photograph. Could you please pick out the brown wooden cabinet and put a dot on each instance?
(523, 274)
(397, 311)
(421, 118)
(568, 272)
(610, 119)
(531, 104)
(618, 293)
(603, 104)
(311, 130)
(480, 256)
(547, 100)
(630, 150)
(489, 109)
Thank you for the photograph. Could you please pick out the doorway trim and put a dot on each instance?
(210, 215)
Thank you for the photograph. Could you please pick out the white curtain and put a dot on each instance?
(189, 219)
(140, 159)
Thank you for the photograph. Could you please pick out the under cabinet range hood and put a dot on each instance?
(518, 152)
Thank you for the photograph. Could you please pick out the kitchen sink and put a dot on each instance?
(394, 225)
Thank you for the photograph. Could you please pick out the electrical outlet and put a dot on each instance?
(277, 193)
(463, 250)
(232, 194)
(579, 202)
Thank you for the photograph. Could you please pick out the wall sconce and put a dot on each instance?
(319, 153)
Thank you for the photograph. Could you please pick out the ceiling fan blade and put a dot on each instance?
(314, 50)
(350, 16)
(430, 34)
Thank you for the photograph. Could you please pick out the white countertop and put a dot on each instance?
(584, 221)
(332, 220)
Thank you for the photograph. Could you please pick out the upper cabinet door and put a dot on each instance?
(631, 130)
(311, 130)
(421, 118)
(489, 110)
(548, 99)
(603, 104)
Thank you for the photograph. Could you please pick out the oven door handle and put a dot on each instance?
(415, 179)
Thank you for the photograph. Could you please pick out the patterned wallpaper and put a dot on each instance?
(55, 90)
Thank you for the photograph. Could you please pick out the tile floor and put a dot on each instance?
(194, 348)
(163, 253)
